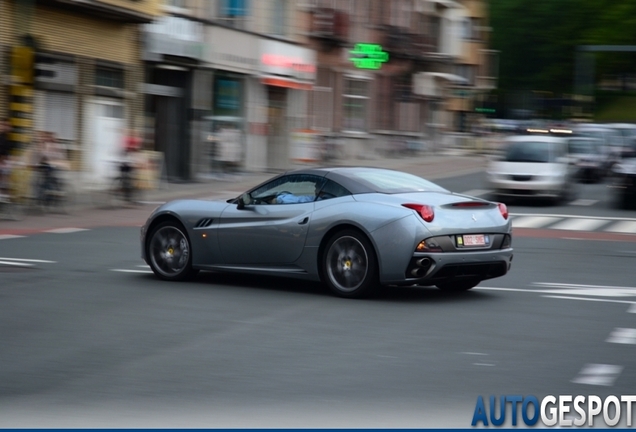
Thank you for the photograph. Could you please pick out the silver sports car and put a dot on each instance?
(353, 228)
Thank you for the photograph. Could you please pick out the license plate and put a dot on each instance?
(473, 240)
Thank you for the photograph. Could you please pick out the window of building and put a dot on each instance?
(356, 103)
(107, 77)
(228, 94)
(180, 4)
(279, 17)
(234, 12)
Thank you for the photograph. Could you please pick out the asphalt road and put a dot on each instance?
(90, 339)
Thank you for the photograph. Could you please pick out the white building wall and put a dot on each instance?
(256, 143)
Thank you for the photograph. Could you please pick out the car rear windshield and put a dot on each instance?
(391, 182)
(530, 151)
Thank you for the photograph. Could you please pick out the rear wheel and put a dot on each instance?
(169, 252)
(349, 265)
(457, 286)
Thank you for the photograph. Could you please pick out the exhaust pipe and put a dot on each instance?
(424, 262)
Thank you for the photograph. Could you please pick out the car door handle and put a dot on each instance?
(303, 221)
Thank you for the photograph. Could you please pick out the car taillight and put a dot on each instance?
(503, 210)
(425, 211)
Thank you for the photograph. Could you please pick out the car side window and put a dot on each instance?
(290, 189)
(331, 189)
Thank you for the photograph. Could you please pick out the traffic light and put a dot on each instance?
(22, 58)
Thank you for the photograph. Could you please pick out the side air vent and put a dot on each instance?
(203, 223)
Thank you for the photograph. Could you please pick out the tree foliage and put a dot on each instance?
(538, 39)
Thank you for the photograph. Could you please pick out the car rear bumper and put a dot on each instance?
(538, 189)
(433, 268)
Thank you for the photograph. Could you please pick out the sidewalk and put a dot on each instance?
(85, 214)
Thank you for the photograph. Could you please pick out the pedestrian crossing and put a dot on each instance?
(575, 223)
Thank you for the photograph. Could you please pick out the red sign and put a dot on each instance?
(283, 61)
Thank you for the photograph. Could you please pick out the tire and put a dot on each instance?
(349, 265)
(169, 252)
(458, 286)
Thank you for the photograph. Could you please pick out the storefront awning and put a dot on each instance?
(291, 83)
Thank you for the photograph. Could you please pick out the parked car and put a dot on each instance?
(611, 138)
(588, 157)
(624, 178)
(533, 166)
(352, 228)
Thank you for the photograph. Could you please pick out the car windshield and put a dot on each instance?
(530, 151)
(582, 146)
(390, 182)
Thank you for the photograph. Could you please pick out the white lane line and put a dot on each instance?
(475, 192)
(590, 299)
(483, 364)
(143, 266)
(9, 236)
(622, 336)
(65, 230)
(568, 285)
(532, 221)
(28, 260)
(579, 224)
(17, 264)
(583, 202)
(131, 271)
(474, 353)
(598, 374)
(628, 227)
(604, 292)
(632, 309)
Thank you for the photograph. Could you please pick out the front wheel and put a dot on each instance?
(349, 265)
(169, 252)
(457, 286)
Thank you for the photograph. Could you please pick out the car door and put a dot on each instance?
(267, 231)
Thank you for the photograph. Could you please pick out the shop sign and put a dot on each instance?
(285, 59)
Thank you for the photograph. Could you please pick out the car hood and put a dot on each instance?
(532, 168)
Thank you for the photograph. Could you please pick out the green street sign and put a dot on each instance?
(368, 56)
(485, 110)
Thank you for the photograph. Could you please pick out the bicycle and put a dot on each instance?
(51, 190)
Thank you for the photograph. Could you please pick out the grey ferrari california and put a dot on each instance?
(353, 228)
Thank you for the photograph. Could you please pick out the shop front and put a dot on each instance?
(173, 50)
(288, 73)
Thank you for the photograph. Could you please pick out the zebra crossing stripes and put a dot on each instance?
(533, 221)
(628, 227)
(574, 223)
(579, 224)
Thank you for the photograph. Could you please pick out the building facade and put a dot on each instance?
(392, 74)
(86, 70)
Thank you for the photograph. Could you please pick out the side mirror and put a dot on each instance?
(245, 199)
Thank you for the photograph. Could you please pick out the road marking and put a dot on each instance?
(9, 236)
(483, 364)
(17, 264)
(474, 353)
(606, 292)
(623, 227)
(598, 374)
(143, 266)
(568, 285)
(572, 224)
(28, 260)
(475, 192)
(533, 221)
(622, 336)
(591, 299)
(632, 309)
(561, 216)
(65, 230)
(131, 271)
(583, 202)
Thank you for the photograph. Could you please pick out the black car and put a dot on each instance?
(624, 178)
